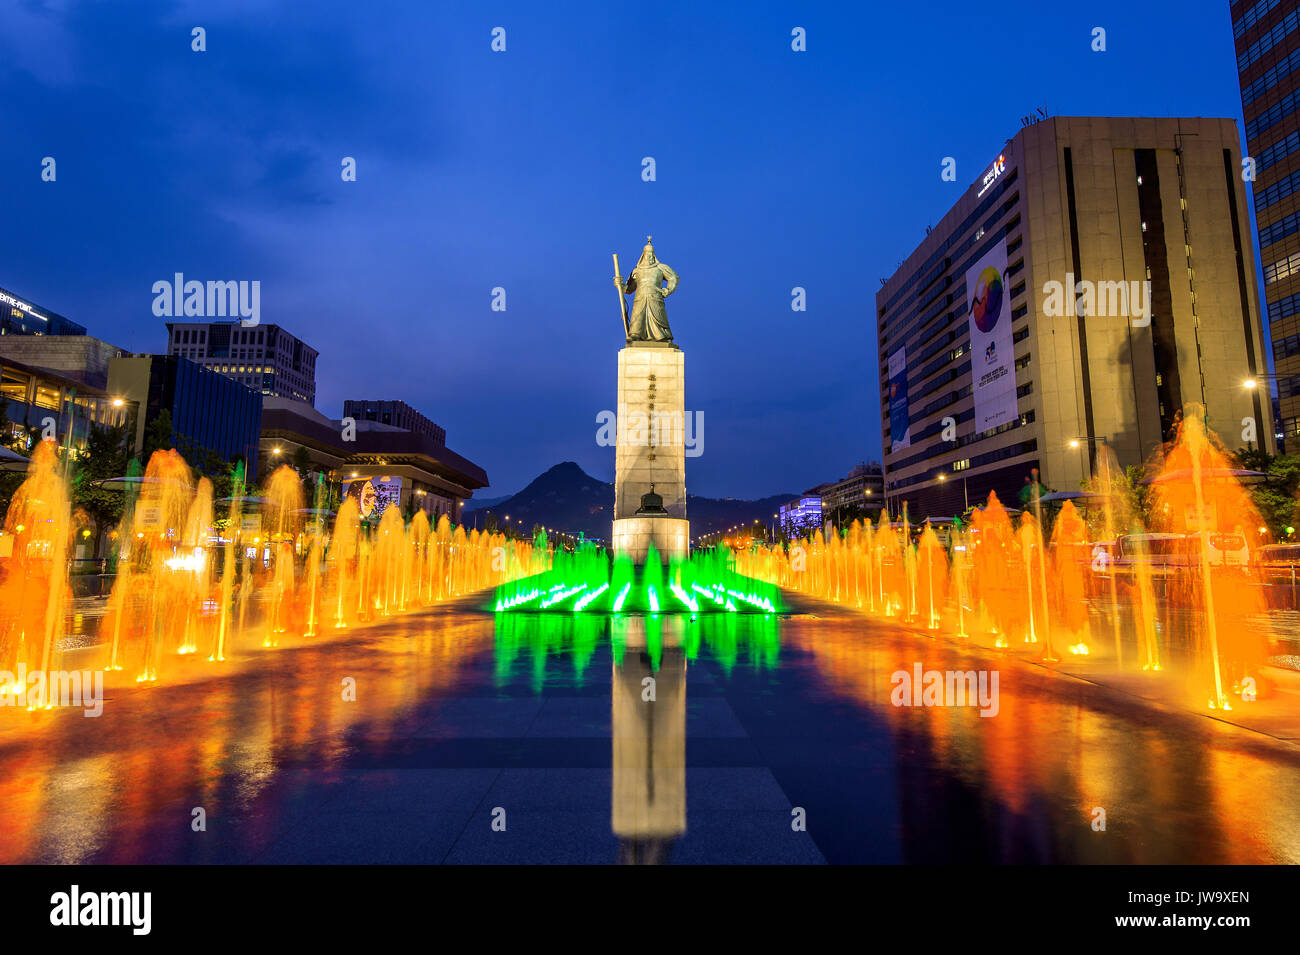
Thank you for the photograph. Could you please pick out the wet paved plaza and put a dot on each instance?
(523, 738)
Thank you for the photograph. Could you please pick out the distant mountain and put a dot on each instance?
(565, 497)
(482, 503)
(568, 498)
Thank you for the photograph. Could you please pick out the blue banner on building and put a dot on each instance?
(900, 427)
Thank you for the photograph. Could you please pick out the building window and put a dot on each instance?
(1281, 269)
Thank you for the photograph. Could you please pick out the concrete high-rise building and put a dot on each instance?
(1267, 36)
(857, 493)
(1097, 278)
(265, 358)
(398, 414)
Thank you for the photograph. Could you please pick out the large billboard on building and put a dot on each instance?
(993, 359)
(374, 494)
(900, 428)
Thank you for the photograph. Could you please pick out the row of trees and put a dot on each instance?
(1276, 500)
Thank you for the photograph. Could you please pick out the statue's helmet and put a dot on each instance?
(647, 254)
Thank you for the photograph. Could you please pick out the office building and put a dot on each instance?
(1096, 278)
(854, 496)
(32, 397)
(389, 465)
(382, 464)
(18, 316)
(1267, 38)
(78, 357)
(53, 377)
(265, 358)
(803, 515)
(209, 412)
(396, 413)
(289, 425)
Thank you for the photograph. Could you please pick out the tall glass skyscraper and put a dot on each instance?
(1267, 36)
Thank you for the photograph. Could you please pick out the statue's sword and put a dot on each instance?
(622, 302)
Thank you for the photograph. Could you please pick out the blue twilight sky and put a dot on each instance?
(522, 170)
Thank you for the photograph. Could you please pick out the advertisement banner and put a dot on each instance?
(993, 359)
(374, 494)
(900, 428)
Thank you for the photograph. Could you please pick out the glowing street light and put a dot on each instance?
(1253, 382)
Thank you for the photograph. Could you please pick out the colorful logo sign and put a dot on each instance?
(987, 304)
(991, 176)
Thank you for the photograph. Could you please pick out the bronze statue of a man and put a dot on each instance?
(648, 321)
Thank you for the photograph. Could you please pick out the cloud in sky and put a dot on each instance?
(522, 170)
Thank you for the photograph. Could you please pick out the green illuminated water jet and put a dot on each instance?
(587, 580)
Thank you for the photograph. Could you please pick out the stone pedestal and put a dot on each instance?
(651, 449)
(634, 535)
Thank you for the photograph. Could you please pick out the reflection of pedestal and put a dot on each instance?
(649, 783)
(651, 451)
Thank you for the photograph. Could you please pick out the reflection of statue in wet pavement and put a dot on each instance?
(648, 320)
(649, 730)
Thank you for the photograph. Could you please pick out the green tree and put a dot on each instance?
(10, 481)
(216, 469)
(1139, 493)
(106, 456)
(157, 435)
(1276, 499)
(302, 463)
(1134, 500)
(1252, 459)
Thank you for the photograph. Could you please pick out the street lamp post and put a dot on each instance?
(1251, 384)
(1091, 440)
